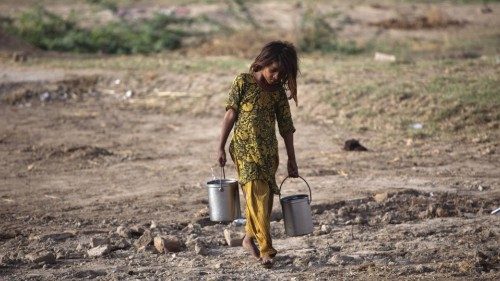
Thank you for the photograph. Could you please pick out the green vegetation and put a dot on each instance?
(473, 100)
(442, 95)
(51, 32)
(107, 4)
(317, 35)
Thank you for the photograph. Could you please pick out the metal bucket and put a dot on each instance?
(297, 212)
(223, 200)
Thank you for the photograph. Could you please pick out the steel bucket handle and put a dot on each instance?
(223, 176)
(310, 194)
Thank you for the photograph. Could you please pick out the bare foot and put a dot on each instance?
(250, 246)
(267, 262)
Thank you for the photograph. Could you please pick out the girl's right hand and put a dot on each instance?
(222, 157)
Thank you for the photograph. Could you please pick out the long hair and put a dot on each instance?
(283, 53)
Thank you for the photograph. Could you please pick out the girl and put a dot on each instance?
(255, 101)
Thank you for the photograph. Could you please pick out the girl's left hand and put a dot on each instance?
(293, 170)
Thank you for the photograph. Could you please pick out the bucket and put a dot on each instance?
(223, 199)
(297, 212)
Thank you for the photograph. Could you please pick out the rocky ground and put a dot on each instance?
(105, 159)
(89, 180)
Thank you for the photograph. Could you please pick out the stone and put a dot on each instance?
(191, 241)
(167, 244)
(88, 274)
(80, 247)
(60, 255)
(143, 241)
(384, 57)
(193, 228)
(325, 228)
(123, 231)
(233, 238)
(6, 259)
(422, 215)
(317, 232)
(360, 220)
(302, 261)
(441, 212)
(7, 234)
(99, 251)
(98, 241)
(335, 248)
(200, 248)
(344, 259)
(343, 211)
(153, 225)
(431, 210)
(137, 230)
(58, 236)
(41, 257)
(202, 213)
(388, 217)
(381, 197)
(121, 244)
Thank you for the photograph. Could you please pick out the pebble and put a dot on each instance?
(88, 274)
(60, 255)
(200, 248)
(360, 220)
(137, 230)
(388, 217)
(80, 247)
(123, 231)
(381, 197)
(193, 228)
(122, 244)
(43, 256)
(335, 248)
(59, 236)
(98, 241)
(342, 212)
(143, 241)
(233, 238)
(165, 244)
(326, 228)
(99, 251)
(153, 225)
(344, 259)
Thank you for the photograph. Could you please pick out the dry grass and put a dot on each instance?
(432, 18)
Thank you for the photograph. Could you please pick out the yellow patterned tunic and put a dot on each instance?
(254, 147)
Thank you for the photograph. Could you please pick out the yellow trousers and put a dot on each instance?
(259, 203)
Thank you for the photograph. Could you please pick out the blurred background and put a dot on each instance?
(451, 48)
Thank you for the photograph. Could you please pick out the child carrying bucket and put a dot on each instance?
(256, 101)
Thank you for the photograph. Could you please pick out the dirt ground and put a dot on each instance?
(91, 157)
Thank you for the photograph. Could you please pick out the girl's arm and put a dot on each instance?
(293, 170)
(227, 125)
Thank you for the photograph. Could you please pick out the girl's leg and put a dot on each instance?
(258, 210)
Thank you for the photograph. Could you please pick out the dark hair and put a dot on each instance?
(285, 55)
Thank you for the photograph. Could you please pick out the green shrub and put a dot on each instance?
(107, 4)
(51, 32)
(317, 35)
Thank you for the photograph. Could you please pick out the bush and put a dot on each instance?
(51, 32)
(317, 35)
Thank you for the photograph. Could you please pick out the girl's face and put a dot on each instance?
(271, 73)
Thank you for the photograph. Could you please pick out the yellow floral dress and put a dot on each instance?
(254, 147)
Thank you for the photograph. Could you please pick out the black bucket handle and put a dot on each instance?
(310, 194)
